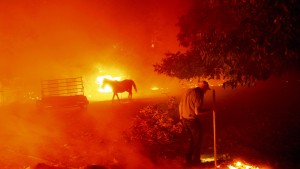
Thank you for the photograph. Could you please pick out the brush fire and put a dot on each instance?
(69, 138)
(105, 89)
(231, 164)
(241, 165)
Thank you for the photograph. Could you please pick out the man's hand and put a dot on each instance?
(204, 113)
(206, 110)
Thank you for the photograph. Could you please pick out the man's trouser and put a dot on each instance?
(194, 131)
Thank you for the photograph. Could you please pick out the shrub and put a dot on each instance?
(158, 128)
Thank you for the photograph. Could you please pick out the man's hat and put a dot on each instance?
(205, 84)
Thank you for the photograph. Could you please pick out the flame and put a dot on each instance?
(234, 163)
(240, 165)
(106, 88)
(154, 88)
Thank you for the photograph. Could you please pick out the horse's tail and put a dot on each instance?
(134, 86)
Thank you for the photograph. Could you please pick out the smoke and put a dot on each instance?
(47, 38)
(41, 39)
(68, 137)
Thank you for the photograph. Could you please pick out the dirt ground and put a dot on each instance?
(259, 125)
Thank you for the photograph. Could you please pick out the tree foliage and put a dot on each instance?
(240, 41)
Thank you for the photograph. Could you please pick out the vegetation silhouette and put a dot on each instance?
(240, 42)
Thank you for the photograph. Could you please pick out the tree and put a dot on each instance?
(240, 41)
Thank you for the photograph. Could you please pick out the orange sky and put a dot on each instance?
(52, 38)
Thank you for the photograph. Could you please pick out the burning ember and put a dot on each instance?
(228, 163)
(241, 165)
(106, 89)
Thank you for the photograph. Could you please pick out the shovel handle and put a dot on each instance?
(214, 127)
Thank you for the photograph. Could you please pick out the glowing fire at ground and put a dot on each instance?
(106, 89)
(154, 88)
(232, 164)
(241, 165)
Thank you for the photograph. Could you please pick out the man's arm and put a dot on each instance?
(199, 110)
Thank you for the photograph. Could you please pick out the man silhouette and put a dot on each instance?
(190, 108)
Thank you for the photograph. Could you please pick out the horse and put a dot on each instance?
(120, 87)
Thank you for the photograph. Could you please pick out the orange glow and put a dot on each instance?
(154, 88)
(106, 88)
(240, 165)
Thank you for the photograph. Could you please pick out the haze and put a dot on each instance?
(43, 39)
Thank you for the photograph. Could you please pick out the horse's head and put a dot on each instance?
(104, 83)
(107, 82)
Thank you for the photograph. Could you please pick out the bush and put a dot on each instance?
(157, 127)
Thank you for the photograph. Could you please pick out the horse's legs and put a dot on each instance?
(115, 94)
(113, 98)
(129, 95)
